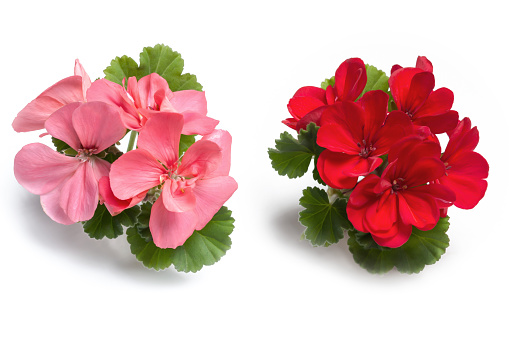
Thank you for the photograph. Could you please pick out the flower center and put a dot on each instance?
(397, 185)
(84, 154)
(365, 149)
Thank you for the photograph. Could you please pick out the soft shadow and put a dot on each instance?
(112, 255)
(337, 256)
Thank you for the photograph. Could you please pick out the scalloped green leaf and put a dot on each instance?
(162, 60)
(292, 157)
(324, 221)
(60, 145)
(102, 224)
(328, 82)
(204, 247)
(377, 80)
(422, 249)
(207, 246)
(159, 59)
(120, 68)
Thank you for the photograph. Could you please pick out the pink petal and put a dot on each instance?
(111, 93)
(224, 140)
(100, 166)
(114, 204)
(98, 125)
(50, 203)
(148, 86)
(170, 229)
(135, 172)
(196, 123)
(40, 169)
(85, 79)
(80, 194)
(35, 114)
(60, 126)
(201, 159)
(161, 137)
(210, 195)
(177, 196)
(189, 101)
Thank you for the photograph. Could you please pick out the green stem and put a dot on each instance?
(132, 138)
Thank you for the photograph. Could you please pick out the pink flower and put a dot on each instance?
(66, 91)
(193, 188)
(151, 95)
(69, 185)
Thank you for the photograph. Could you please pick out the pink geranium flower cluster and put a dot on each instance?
(390, 160)
(91, 118)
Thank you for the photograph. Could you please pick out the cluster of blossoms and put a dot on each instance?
(91, 118)
(390, 143)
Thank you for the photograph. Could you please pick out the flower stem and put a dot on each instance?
(132, 138)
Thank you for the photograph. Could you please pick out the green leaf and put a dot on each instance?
(183, 82)
(207, 246)
(142, 226)
(162, 60)
(120, 68)
(324, 221)
(327, 82)
(316, 174)
(377, 80)
(204, 247)
(102, 224)
(147, 252)
(423, 248)
(292, 157)
(159, 59)
(185, 142)
(60, 145)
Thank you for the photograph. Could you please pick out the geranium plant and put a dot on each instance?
(389, 182)
(167, 187)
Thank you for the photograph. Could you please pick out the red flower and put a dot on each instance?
(466, 170)
(422, 63)
(388, 206)
(355, 135)
(308, 103)
(412, 89)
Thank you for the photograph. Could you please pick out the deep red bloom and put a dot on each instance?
(422, 63)
(466, 170)
(308, 103)
(412, 89)
(388, 206)
(355, 135)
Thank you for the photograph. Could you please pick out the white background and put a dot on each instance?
(251, 58)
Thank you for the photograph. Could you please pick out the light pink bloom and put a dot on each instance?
(193, 188)
(151, 95)
(69, 185)
(112, 203)
(69, 90)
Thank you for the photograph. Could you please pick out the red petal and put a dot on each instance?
(424, 64)
(420, 88)
(418, 209)
(438, 102)
(350, 79)
(300, 106)
(469, 190)
(374, 104)
(439, 123)
(397, 126)
(330, 167)
(313, 116)
(402, 235)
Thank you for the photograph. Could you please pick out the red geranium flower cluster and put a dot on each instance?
(406, 179)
